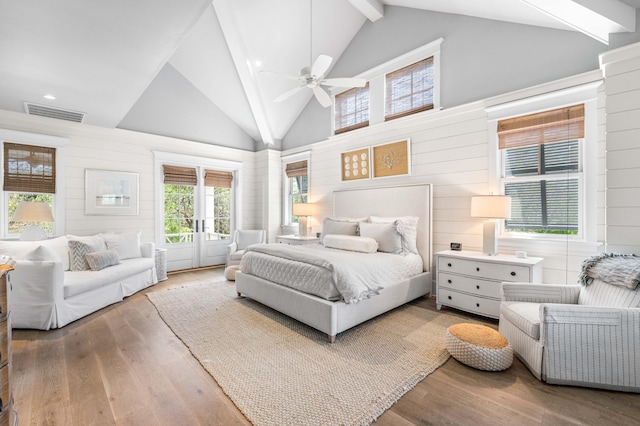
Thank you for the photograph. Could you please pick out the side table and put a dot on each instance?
(161, 264)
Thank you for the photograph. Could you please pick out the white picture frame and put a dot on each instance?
(111, 193)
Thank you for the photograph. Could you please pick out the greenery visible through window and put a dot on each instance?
(178, 213)
(16, 228)
(218, 213)
(298, 193)
(543, 182)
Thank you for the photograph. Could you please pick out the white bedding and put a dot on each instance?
(332, 274)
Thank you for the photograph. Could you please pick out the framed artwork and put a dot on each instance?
(391, 159)
(356, 164)
(110, 193)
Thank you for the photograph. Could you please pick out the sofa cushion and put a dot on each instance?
(600, 293)
(102, 259)
(18, 250)
(524, 315)
(76, 282)
(236, 255)
(42, 254)
(127, 244)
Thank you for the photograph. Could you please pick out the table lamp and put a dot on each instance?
(34, 212)
(303, 211)
(491, 207)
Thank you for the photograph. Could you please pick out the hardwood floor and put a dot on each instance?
(122, 365)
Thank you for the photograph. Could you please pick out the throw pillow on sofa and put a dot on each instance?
(127, 244)
(101, 259)
(79, 247)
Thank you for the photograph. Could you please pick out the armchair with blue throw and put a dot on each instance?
(243, 238)
(582, 335)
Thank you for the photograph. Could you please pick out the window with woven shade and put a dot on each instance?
(410, 90)
(29, 168)
(542, 170)
(295, 184)
(218, 201)
(351, 109)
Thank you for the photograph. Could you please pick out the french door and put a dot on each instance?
(197, 213)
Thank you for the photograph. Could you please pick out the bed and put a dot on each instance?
(335, 316)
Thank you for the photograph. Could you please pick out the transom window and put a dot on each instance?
(542, 170)
(352, 109)
(410, 89)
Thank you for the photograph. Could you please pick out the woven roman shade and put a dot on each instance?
(178, 175)
(558, 125)
(29, 168)
(218, 179)
(352, 109)
(410, 89)
(299, 168)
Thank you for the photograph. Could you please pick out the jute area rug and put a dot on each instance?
(279, 371)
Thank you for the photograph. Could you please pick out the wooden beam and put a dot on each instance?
(372, 9)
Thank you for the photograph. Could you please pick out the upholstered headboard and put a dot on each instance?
(405, 200)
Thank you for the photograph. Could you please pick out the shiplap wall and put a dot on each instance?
(450, 149)
(269, 168)
(622, 72)
(91, 147)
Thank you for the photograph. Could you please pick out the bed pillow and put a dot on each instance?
(351, 243)
(101, 259)
(127, 244)
(407, 227)
(386, 234)
(338, 227)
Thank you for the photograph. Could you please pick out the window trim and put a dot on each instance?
(286, 201)
(356, 91)
(59, 197)
(586, 94)
(376, 77)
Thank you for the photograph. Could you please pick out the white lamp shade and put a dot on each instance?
(303, 209)
(491, 206)
(30, 211)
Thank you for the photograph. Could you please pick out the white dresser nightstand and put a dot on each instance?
(470, 281)
(297, 240)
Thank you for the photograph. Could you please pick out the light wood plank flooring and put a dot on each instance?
(122, 365)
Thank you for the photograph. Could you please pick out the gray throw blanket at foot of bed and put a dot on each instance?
(618, 269)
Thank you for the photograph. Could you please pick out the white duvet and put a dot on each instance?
(332, 274)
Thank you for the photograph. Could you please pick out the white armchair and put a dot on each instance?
(242, 239)
(582, 335)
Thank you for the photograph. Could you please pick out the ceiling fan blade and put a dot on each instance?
(344, 82)
(288, 94)
(321, 65)
(322, 96)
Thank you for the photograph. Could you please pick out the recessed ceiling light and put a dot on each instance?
(49, 96)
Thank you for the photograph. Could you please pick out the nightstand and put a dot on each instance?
(471, 281)
(297, 240)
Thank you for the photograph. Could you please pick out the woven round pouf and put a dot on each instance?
(479, 346)
(230, 272)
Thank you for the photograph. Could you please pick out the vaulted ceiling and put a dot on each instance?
(210, 71)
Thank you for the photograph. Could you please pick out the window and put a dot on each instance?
(296, 185)
(218, 204)
(29, 175)
(410, 89)
(352, 109)
(179, 198)
(542, 170)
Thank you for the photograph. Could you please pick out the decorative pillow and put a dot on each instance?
(351, 243)
(407, 227)
(41, 253)
(127, 244)
(386, 234)
(79, 247)
(101, 259)
(338, 227)
(19, 250)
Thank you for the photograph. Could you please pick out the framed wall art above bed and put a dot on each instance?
(391, 159)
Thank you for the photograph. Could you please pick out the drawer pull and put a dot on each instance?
(478, 269)
(477, 305)
(449, 265)
(478, 287)
(449, 297)
(449, 281)
(513, 274)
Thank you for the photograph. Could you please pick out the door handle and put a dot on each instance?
(196, 226)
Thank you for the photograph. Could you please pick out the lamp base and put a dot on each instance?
(303, 226)
(489, 239)
(33, 233)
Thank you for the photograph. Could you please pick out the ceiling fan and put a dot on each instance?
(313, 76)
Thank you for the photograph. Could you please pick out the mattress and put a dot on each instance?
(332, 274)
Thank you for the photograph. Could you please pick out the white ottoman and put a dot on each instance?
(479, 346)
(230, 272)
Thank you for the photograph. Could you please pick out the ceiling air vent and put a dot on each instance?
(60, 114)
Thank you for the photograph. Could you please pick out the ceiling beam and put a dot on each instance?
(246, 72)
(595, 18)
(372, 9)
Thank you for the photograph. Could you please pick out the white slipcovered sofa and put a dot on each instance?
(57, 281)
